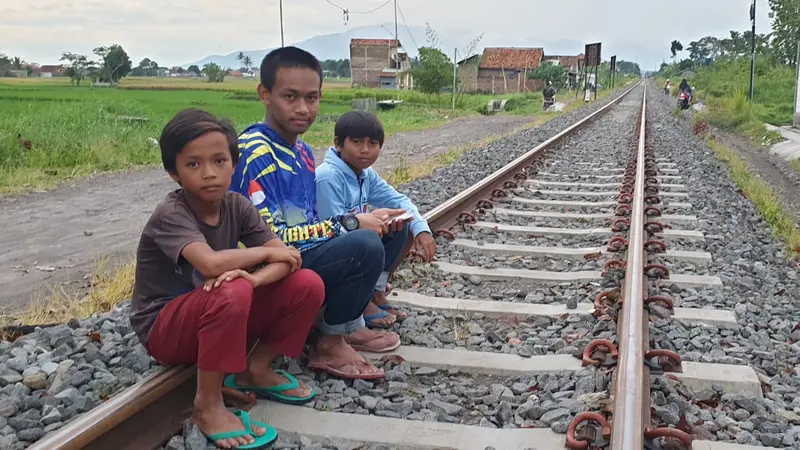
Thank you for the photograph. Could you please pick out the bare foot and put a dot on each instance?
(267, 377)
(373, 341)
(334, 352)
(379, 299)
(372, 309)
(220, 420)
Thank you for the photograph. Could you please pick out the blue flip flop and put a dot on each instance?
(387, 307)
(270, 436)
(273, 392)
(368, 319)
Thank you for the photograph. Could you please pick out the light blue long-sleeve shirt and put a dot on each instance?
(341, 191)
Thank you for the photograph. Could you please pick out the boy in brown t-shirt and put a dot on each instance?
(194, 300)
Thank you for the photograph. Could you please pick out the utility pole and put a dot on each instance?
(753, 49)
(395, 22)
(455, 76)
(280, 3)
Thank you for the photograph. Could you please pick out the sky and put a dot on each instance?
(174, 32)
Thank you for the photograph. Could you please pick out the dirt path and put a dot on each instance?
(52, 238)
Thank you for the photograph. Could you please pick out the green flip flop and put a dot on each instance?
(270, 436)
(273, 392)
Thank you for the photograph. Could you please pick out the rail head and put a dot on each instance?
(628, 425)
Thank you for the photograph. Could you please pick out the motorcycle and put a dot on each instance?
(684, 99)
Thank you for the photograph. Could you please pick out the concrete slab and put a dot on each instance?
(660, 178)
(667, 171)
(398, 433)
(666, 235)
(713, 445)
(492, 308)
(567, 204)
(731, 378)
(607, 216)
(695, 281)
(538, 276)
(608, 186)
(483, 363)
(573, 254)
(602, 193)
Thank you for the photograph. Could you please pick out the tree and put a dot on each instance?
(146, 68)
(548, 71)
(178, 69)
(435, 70)
(214, 72)
(628, 68)
(115, 63)
(247, 63)
(17, 63)
(79, 66)
(785, 29)
(240, 58)
(194, 69)
(675, 47)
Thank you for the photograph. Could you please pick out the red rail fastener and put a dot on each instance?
(484, 204)
(668, 360)
(499, 193)
(623, 210)
(652, 211)
(446, 233)
(652, 199)
(621, 225)
(666, 301)
(656, 271)
(664, 432)
(466, 217)
(586, 416)
(651, 181)
(650, 189)
(651, 173)
(519, 176)
(654, 246)
(603, 302)
(510, 185)
(587, 357)
(617, 244)
(625, 198)
(614, 264)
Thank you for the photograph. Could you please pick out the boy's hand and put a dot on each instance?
(229, 276)
(373, 222)
(288, 255)
(425, 246)
(389, 216)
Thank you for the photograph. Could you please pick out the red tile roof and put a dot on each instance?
(51, 69)
(511, 58)
(566, 61)
(375, 42)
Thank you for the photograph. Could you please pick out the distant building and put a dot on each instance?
(19, 73)
(51, 71)
(572, 64)
(501, 70)
(380, 63)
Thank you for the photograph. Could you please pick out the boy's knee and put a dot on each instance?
(368, 245)
(307, 282)
(233, 297)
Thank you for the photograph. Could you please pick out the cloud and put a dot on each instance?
(177, 31)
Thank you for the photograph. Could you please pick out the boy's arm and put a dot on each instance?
(178, 236)
(330, 195)
(383, 195)
(260, 183)
(255, 232)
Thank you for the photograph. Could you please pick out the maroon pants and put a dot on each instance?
(213, 328)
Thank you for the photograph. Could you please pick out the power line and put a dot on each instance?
(346, 12)
(402, 16)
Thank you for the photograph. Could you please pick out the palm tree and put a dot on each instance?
(240, 57)
(247, 62)
(17, 63)
(675, 47)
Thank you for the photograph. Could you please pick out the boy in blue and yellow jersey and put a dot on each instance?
(276, 171)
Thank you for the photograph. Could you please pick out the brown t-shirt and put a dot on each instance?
(162, 273)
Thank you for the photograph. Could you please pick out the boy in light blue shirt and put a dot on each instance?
(346, 183)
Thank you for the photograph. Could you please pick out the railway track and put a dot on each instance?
(501, 348)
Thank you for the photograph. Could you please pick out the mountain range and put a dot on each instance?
(337, 46)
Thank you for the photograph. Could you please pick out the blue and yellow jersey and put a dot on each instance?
(279, 180)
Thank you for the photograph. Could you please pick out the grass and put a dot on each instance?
(761, 194)
(109, 285)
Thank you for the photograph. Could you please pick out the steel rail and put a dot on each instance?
(632, 387)
(143, 415)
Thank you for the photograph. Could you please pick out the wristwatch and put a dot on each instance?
(349, 222)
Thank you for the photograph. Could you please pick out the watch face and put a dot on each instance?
(350, 223)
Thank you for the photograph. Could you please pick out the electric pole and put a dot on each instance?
(753, 49)
(395, 23)
(280, 3)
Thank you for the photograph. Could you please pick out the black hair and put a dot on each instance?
(358, 124)
(287, 58)
(189, 125)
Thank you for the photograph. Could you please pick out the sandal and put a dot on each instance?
(397, 312)
(369, 320)
(335, 371)
(270, 436)
(367, 347)
(273, 392)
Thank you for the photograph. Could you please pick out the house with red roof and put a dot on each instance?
(380, 63)
(501, 70)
